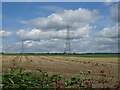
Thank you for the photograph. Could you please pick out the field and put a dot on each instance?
(68, 55)
(66, 65)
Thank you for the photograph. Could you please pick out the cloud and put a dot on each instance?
(38, 34)
(52, 8)
(56, 21)
(102, 40)
(107, 36)
(53, 45)
(23, 22)
(106, 40)
(115, 12)
(109, 32)
(4, 34)
(108, 2)
(49, 33)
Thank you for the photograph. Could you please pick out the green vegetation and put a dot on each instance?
(19, 78)
(71, 55)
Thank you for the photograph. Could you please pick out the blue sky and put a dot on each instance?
(13, 13)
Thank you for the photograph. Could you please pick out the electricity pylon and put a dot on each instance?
(68, 41)
(22, 50)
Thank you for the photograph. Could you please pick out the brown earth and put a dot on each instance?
(67, 66)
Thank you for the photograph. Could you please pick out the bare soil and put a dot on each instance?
(67, 66)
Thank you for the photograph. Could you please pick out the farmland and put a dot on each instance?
(68, 55)
(68, 66)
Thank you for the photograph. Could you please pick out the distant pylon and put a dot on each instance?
(68, 41)
(22, 50)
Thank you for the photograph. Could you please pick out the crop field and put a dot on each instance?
(69, 55)
(67, 66)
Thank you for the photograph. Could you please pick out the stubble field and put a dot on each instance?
(67, 66)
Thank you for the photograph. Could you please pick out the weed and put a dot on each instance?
(18, 78)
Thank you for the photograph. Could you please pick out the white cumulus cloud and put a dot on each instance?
(115, 12)
(109, 32)
(38, 34)
(4, 34)
(78, 17)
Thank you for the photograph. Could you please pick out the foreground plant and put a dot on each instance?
(18, 78)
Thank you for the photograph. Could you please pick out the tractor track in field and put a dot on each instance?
(13, 58)
(66, 59)
(94, 64)
(80, 61)
(20, 59)
(28, 59)
(14, 61)
(44, 58)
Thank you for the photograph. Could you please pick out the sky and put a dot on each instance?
(42, 26)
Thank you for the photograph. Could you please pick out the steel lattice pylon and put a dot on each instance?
(22, 50)
(68, 41)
